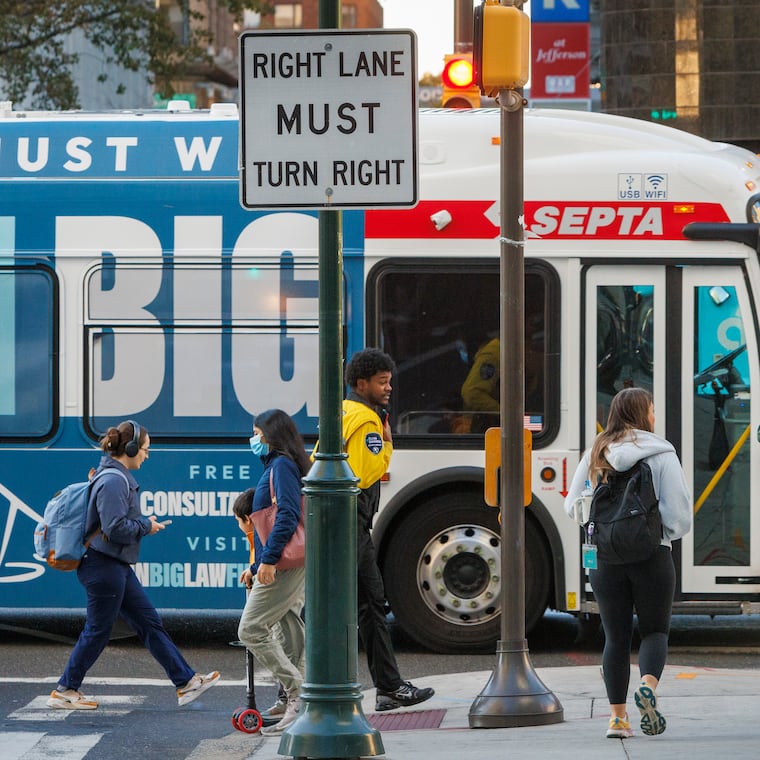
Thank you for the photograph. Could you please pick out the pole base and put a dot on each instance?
(514, 695)
(331, 724)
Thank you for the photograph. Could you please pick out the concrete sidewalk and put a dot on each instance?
(710, 713)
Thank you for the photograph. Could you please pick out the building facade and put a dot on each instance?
(693, 64)
(355, 14)
(104, 85)
(218, 82)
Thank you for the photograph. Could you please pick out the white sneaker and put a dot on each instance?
(291, 713)
(70, 699)
(652, 720)
(277, 710)
(195, 687)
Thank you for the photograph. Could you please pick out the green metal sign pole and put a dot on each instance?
(331, 723)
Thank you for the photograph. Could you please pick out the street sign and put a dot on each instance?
(328, 120)
(560, 68)
(554, 11)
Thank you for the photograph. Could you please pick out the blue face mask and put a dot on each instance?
(257, 447)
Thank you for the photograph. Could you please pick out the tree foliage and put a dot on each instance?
(35, 66)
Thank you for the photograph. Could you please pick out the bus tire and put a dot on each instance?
(441, 573)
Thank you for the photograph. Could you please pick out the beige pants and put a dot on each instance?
(272, 629)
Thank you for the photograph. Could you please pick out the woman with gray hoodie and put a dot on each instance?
(646, 586)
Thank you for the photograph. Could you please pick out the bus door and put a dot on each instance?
(720, 449)
(686, 333)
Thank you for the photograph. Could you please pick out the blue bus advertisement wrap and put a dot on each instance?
(111, 208)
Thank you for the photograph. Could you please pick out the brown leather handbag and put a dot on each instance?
(294, 553)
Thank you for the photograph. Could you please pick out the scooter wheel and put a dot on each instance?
(249, 721)
(235, 717)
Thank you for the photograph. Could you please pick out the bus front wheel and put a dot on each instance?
(442, 573)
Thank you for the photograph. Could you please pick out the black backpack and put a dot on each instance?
(624, 521)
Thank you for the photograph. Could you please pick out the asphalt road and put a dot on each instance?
(724, 641)
(139, 718)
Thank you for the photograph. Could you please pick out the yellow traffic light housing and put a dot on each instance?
(458, 81)
(501, 44)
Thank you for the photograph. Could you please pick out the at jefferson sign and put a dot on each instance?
(328, 120)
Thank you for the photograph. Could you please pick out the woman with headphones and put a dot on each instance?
(106, 574)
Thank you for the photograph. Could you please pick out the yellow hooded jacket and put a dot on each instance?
(480, 391)
(368, 454)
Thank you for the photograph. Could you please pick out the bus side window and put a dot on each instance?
(624, 342)
(426, 325)
(28, 352)
(722, 487)
(440, 323)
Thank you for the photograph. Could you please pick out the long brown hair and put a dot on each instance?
(629, 411)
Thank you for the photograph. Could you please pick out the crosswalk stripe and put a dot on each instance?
(262, 677)
(27, 745)
(235, 746)
(15, 745)
(111, 705)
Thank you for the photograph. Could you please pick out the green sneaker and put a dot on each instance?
(652, 720)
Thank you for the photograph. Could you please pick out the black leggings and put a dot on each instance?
(648, 587)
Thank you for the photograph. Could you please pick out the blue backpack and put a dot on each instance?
(60, 537)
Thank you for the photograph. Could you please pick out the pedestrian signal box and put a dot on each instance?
(501, 45)
(458, 82)
(492, 489)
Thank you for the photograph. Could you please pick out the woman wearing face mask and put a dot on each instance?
(277, 595)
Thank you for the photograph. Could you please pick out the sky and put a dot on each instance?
(431, 20)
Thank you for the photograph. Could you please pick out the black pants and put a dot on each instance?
(648, 588)
(373, 629)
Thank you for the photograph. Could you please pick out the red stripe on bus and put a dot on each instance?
(546, 220)
(468, 220)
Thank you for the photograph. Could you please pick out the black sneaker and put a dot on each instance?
(405, 696)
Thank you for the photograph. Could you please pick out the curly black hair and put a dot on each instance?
(366, 364)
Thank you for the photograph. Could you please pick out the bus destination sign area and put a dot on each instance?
(328, 119)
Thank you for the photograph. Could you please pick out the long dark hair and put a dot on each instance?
(629, 411)
(282, 436)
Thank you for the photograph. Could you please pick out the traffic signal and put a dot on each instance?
(501, 44)
(458, 80)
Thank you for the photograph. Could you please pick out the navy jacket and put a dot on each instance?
(286, 480)
(118, 511)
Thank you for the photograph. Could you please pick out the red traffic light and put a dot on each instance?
(458, 82)
(458, 72)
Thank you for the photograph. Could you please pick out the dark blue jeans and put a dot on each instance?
(112, 590)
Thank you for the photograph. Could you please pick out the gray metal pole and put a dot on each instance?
(514, 695)
(463, 27)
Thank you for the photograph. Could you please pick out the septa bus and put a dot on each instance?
(134, 286)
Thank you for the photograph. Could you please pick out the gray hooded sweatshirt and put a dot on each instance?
(667, 476)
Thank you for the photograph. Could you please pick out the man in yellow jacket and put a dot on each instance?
(369, 445)
(480, 391)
